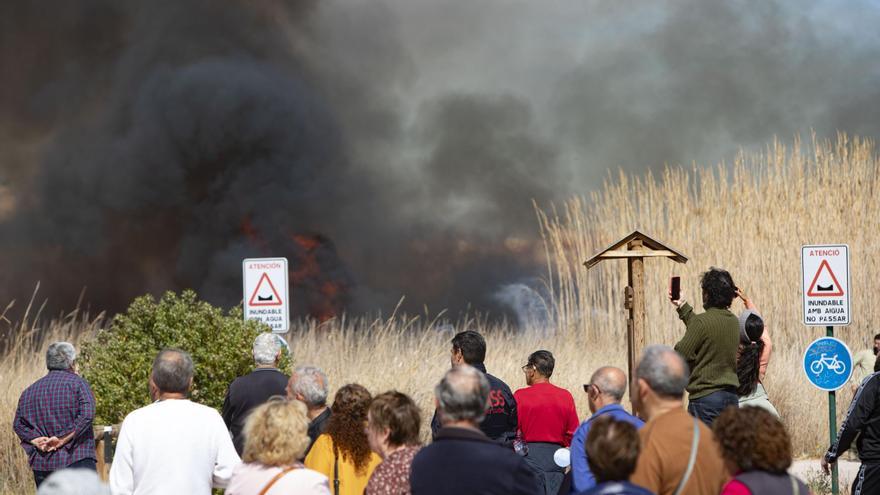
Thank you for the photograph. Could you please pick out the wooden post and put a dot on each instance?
(636, 280)
(104, 436)
(634, 248)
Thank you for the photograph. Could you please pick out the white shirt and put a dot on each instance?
(172, 446)
(250, 478)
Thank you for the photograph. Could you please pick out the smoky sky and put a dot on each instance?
(152, 146)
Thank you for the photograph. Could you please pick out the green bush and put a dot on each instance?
(117, 361)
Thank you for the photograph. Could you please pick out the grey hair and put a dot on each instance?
(463, 395)
(73, 482)
(311, 383)
(664, 370)
(611, 381)
(172, 371)
(60, 356)
(266, 348)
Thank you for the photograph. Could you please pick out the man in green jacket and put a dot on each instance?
(709, 347)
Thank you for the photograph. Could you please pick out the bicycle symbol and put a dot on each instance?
(832, 363)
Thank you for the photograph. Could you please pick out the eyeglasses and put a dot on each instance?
(527, 366)
(587, 388)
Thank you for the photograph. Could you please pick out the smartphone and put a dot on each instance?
(675, 288)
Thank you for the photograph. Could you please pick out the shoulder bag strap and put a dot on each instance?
(795, 489)
(276, 478)
(336, 475)
(691, 460)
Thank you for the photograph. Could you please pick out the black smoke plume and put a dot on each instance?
(386, 148)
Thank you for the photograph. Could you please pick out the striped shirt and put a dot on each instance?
(57, 404)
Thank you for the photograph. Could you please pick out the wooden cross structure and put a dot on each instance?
(635, 248)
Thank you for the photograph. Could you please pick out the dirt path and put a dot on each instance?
(811, 469)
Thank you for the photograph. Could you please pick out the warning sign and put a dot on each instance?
(826, 285)
(266, 292)
(265, 286)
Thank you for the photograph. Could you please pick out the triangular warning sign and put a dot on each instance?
(832, 290)
(265, 298)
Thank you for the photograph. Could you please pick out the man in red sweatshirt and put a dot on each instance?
(547, 419)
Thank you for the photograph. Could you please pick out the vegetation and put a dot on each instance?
(750, 218)
(117, 361)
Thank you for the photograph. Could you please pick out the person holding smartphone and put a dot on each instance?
(710, 345)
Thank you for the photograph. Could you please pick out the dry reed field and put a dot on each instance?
(750, 217)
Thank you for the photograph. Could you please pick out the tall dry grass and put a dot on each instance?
(750, 218)
(22, 361)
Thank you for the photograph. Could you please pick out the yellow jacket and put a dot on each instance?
(321, 459)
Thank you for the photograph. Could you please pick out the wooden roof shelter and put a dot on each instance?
(635, 248)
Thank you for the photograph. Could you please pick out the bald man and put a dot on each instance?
(604, 393)
(668, 462)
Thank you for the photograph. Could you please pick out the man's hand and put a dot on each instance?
(826, 466)
(742, 295)
(40, 443)
(52, 444)
(675, 302)
(55, 443)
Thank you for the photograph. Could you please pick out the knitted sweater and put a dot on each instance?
(709, 347)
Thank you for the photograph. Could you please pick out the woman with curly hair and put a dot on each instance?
(275, 436)
(342, 452)
(753, 358)
(757, 452)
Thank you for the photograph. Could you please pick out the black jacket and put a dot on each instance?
(500, 422)
(247, 392)
(862, 421)
(463, 461)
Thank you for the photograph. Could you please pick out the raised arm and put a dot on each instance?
(693, 335)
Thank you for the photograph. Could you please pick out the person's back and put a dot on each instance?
(764, 483)
(500, 421)
(53, 420)
(172, 446)
(352, 480)
(604, 393)
(501, 417)
(464, 461)
(547, 413)
(61, 402)
(247, 392)
(710, 346)
(666, 450)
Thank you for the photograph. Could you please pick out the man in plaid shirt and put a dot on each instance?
(54, 417)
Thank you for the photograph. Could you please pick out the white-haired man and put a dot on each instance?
(54, 417)
(308, 384)
(249, 391)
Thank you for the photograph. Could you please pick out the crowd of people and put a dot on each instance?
(276, 434)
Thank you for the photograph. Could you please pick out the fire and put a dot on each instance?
(319, 281)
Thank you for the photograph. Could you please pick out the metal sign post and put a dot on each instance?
(825, 273)
(832, 426)
(828, 366)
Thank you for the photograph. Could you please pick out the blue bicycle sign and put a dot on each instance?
(828, 363)
(831, 363)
